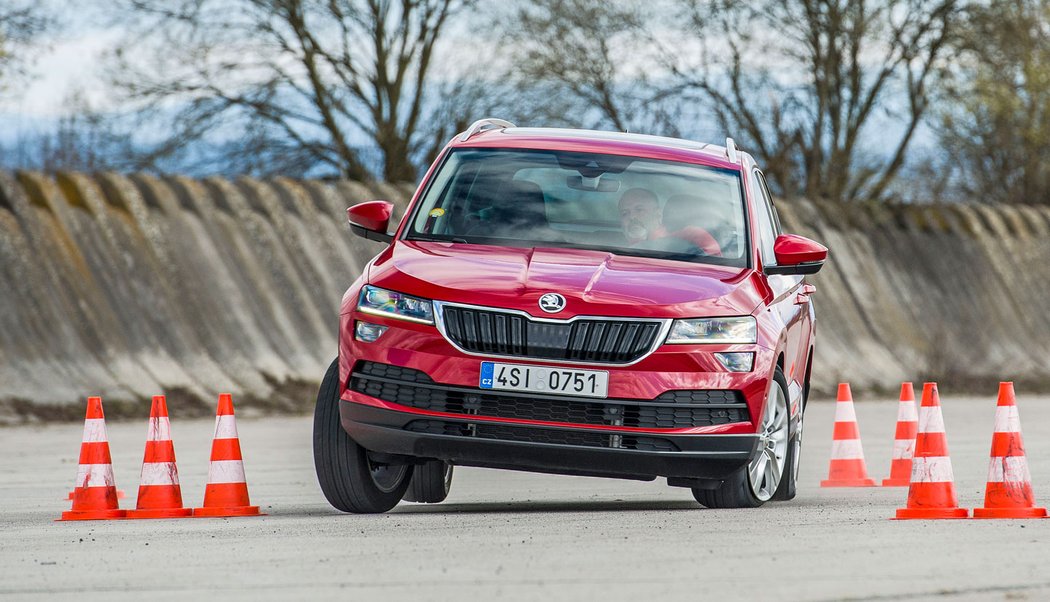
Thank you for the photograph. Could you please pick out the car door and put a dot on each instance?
(788, 304)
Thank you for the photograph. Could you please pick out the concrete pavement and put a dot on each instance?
(505, 535)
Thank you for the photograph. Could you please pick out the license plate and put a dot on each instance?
(544, 379)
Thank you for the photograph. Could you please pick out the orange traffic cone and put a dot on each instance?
(904, 440)
(932, 491)
(847, 467)
(227, 491)
(95, 493)
(160, 495)
(1009, 490)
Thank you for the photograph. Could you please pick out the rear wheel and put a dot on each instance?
(349, 479)
(431, 482)
(757, 482)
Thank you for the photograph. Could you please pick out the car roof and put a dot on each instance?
(595, 141)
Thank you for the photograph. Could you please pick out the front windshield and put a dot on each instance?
(624, 205)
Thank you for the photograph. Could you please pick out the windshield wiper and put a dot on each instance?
(431, 238)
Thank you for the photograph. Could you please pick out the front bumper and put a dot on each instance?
(706, 457)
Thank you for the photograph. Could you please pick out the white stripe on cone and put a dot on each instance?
(159, 429)
(1007, 420)
(931, 420)
(903, 449)
(94, 430)
(936, 469)
(159, 473)
(225, 427)
(844, 412)
(907, 412)
(848, 449)
(226, 471)
(95, 475)
(1009, 469)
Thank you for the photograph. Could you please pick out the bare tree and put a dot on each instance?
(321, 78)
(805, 84)
(995, 114)
(23, 24)
(589, 63)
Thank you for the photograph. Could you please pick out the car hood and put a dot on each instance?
(592, 282)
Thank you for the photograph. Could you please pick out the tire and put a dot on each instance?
(430, 482)
(740, 490)
(348, 479)
(735, 492)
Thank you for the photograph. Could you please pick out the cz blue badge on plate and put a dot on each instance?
(487, 368)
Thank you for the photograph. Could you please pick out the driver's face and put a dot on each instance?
(639, 215)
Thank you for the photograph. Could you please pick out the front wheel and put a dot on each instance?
(349, 479)
(789, 484)
(757, 482)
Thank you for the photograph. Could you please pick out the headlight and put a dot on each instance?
(382, 302)
(714, 330)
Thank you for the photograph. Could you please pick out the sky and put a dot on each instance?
(69, 65)
(66, 63)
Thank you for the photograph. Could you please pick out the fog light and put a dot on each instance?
(367, 332)
(737, 361)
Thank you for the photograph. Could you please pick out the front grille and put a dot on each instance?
(587, 340)
(540, 435)
(671, 410)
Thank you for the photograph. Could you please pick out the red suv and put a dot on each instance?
(573, 302)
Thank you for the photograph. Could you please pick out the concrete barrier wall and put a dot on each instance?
(128, 286)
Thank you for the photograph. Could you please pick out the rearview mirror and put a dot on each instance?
(797, 255)
(371, 220)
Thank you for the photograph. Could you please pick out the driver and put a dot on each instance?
(640, 216)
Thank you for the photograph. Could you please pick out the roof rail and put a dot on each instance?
(731, 152)
(484, 124)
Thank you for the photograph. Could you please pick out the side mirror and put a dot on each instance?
(371, 220)
(797, 255)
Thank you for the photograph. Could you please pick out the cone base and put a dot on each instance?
(931, 513)
(896, 482)
(1009, 513)
(120, 495)
(93, 515)
(848, 483)
(161, 513)
(232, 511)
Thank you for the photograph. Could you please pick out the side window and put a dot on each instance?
(766, 226)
